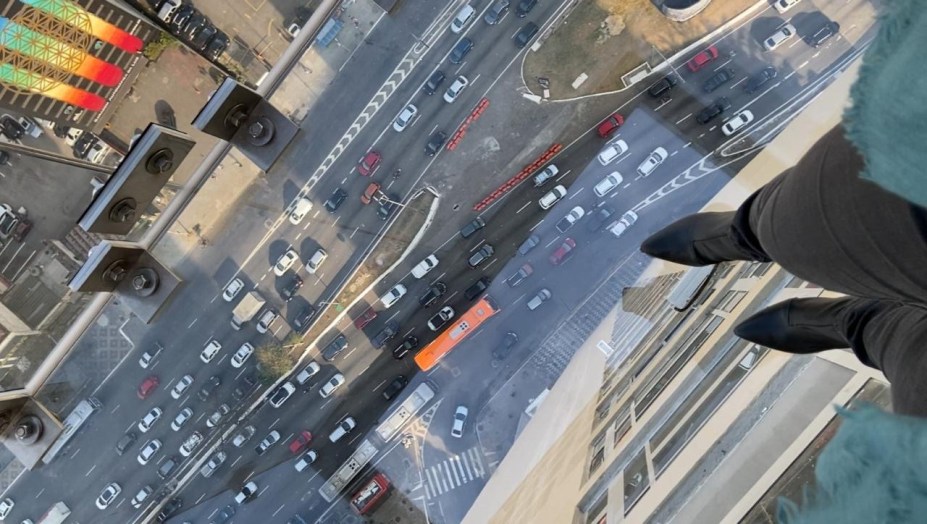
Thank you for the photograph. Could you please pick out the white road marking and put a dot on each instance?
(683, 118)
(528, 203)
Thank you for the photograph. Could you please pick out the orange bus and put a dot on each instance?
(466, 324)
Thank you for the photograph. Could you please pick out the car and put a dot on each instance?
(109, 494)
(191, 443)
(6, 506)
(472, 227)
(316, 261)
(282, 394)
(653, 161)
(404, 118)
(455, 89)
(460, 51)
(168, 466)
(343, 428)
(217, 415)
(81, 148)
(372, 189)
(612, 151)
(552, 197)
(126, 442)
(224, 515)
(149, 419)
(505, 346)
(783, 34)
(333, 383)
(441, 318)
(520, 275)
(529, 244)
(608, 184)
(141, 496)
(627, 220)
(435, 291)
(393, 295)
(285, 262)
(757, 81)
(611, 124)
(546, 174)
(435, 143)
(714, 110)
(202, 37)
(334, 202)
(195, 24)
(335, 347)
(462, 18)
(784, 5)
(525, 34)
(11, 128)
(213, 464)
(210, 351)
(410, 343)
(303, 317)
(571, 218)
(365, 318)
(422, 268)
(211, 384)
(301, 442)
(272, 438)
(232, 289)
(306, 460)
(181, 419)
(181, 17)
(482, 255)
(148, 386)
(525, 7)
(702, 59)
(460, 418)
(539, 298)
(718, 79)
(497, 12)
(434, 82)
(387, 205)
(150, 449)
(248, 492)
(169, 509)
(737, 122)
(291, 287)
(267, 318)
(302, 207)
(599, 218)
(476, 289)
(181, 386)
(662, 86)
(563, 252)
(219, 43)
(823, 34)
(369, 163)
(243, 436)
(147, 357)
(390, 330)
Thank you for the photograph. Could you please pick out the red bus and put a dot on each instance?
(369, 496)
(466, 324)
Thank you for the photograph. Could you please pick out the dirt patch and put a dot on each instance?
(606, 39)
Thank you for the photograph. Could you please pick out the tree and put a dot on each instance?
(274, 360)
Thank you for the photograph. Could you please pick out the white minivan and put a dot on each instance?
(463, 17)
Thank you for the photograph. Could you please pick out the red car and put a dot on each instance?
(369, 163)
(610, 124)
(371, 190)
(362, 321)
(148, 385)
(301, 442)
(563, 252)
(702, 59)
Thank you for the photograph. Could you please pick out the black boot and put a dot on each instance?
(703, 239)
(798, 325)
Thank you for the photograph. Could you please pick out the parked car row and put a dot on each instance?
(188, 24)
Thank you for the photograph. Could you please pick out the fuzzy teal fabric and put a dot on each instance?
(873, 471)
(888, 118)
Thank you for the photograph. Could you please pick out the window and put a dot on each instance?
(598, 453)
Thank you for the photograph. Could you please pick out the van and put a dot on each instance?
(166, 13)
(344, 427)
(552, 197)
(464, 16)
(315, 262)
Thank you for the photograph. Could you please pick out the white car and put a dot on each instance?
(548, 173)
(109, 494)
(242, 355)
(333, 383)
(344, 427)
(302, 207)
(306, 460)
(613, 151)
(393, 295)
(217, 415)
(148, 356)
(782, 35)
(405, 117)
(455, 89)
(149, 419)
(247, 492)
(191, 443)
(141, 496)
(627, 220)
(210, 351)
(181, 419)
(460, 418)
(272, 438)
(151, 449)
(267, 318)
(571, 219)
(652, 161)
(315, 261)
(784, 5)
(552, 197)
(308, 372)
(737, 122)
(422, 268)
(608, 184)
(6, 506)
(440, 318)
(285, 262)
(243, 436)
(281, 394)
(181, 386)
(232, 289)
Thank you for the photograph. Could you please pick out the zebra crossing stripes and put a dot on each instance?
(454, 472)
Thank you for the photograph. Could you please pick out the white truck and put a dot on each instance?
(247, 309)
(56, 515)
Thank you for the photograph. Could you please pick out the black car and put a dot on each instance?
(410, 343)
(291, 287)
(169, 509)
(386, 207)
(481, 256)
(525, 34)
(718, 79)
(435, 143)
(397, 385)
(757, 81)
(663, 86)
(82, 147)
(181, 17)
(713, 111)
(202, 37)
(390, 330)
(219, 43)
(497, 12)
(505, 346)
(433, 83)
(460, 51)
(11, 128)
(436, 291)
(335, 347)
(477, 288)
(225, 515)
(126, 442)
(335, 201)
(599, 218)
(303, 318)
(167, 467)
(194, 25)
(525, 7)
(211, 384)
(472, 227)
(823, 34)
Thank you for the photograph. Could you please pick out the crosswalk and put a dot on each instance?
(454, 472)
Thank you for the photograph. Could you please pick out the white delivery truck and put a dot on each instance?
(247, 309)
(56, 515)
